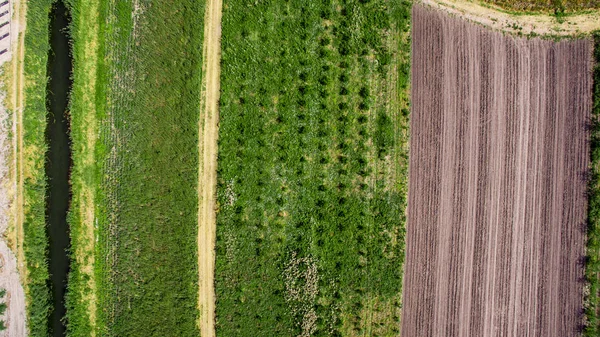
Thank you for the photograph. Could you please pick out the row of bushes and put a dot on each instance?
(592, 271)
(309, 132)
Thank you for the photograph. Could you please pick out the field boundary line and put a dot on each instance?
(208, 125)
(534, 24)
(18, 105)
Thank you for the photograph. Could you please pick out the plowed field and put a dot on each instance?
(497, 197)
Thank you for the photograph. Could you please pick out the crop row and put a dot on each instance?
(310, 144)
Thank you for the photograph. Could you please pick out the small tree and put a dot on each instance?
(2, 309)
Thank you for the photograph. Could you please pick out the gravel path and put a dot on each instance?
(10, 279)
(497, 199)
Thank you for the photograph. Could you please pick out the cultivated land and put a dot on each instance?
(497, 207)
(312, 163)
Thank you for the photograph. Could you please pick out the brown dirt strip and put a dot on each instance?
(20, 10)
(497, 198)
(12, 271)
(520, 23)
(207, 175)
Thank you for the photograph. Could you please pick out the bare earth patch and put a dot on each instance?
(539, 24)
(498, 178)
(207, 174)
(11, 211)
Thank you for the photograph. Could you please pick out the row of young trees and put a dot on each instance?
(307, 135)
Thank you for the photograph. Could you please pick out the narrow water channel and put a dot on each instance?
(58, 161)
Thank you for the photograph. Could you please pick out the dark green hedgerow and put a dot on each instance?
(312, 167)
(592, 271)
(34, 149)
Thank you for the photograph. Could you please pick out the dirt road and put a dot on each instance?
(497, 199)
(538, 23)
(11, 192)
(207, 177)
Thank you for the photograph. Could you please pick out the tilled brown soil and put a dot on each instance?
(497, 199)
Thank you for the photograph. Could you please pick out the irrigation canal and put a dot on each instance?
(58, 161)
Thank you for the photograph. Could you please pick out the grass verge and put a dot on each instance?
(35, 243)
(592, 270)
(147, 108)
(81, 295)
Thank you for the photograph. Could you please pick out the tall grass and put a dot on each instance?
(34, 150)
(147, 103)
(81, 294)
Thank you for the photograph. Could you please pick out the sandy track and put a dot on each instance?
(525, 23)
(11, 275)
(207, 175)
(497, 199)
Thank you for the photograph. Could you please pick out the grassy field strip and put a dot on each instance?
(19, 10)
(149, 84)
(526, 24)
(81, 295)
(208, 124)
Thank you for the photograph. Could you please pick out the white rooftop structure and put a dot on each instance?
(6, 30)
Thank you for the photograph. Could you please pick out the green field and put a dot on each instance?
(35, 240)
(81, 295)
(145, 168)
(312, 167)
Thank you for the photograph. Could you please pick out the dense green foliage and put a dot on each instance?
(592, 271)
(148, 96)
(2, 309)
(312, 167)
(34, 148)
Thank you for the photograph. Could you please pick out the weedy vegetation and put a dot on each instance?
(147, 100)
(559, 8)
(35, 241)
(592, 268)
(81, 294)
